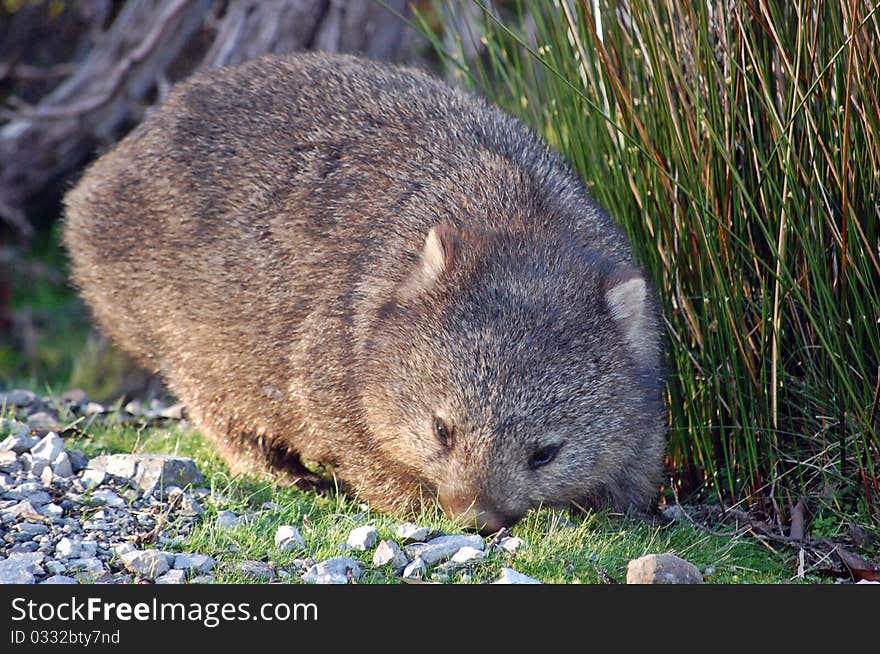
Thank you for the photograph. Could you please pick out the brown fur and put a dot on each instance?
(320, 254)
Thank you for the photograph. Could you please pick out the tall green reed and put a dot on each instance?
(738, 143)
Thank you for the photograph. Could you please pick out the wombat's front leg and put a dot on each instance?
(385, 484)
(248, 452)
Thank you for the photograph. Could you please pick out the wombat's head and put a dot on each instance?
(513, 372)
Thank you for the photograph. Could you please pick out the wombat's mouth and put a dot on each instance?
(481, 519)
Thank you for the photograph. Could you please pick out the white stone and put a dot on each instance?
(89, 548)
(92, 478)
(38, 498)
(61, 465)
(511, 544)
(16, 571)
(93, 408)
(415, 569)
(339, 570)
(51, 510)
(67, 549)
(10, 461)
(91, 566)
(146, 563)
(411, 533)
(34, 465)
(172, 577)
(511, 576)
(32, 528)
(55, 567)
(389, 552)
(227, 520)
(256, 571)
(48, 448)
(19, 397)
(288, 539)
(467, 554)
(123, 548)
(19, 439)
(362, 538)
(443, 547)
(42, 420)
(151, 472)
(173, 412)
(108, 497)
(200, 563)
(59, 579)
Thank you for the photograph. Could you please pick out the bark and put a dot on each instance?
(147, 45)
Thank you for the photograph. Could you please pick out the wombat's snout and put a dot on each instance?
(472, 514)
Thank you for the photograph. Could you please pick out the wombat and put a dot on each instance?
(336, 261)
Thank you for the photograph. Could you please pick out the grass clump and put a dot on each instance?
(739, 146)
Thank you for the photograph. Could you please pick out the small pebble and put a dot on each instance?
(415, 569)
(389, 552)
(92, 478)
(172, 577)
(362, 538)
(662, 569)
(200, 563)
(467, 554)
(227, 520)
(340, 570)
(148, 564)
(411, 533)
(67, 549)
(288, 539)
(59, 579)
(511, 544)
(511, 576)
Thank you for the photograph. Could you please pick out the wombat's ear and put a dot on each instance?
(627, 297)
(439, 251)
(438, 255)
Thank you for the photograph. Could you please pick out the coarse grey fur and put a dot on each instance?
(337, 261)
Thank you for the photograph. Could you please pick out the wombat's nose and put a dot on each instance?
(473, 515)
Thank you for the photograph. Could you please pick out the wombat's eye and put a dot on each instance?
(442, 431)
(544, 455)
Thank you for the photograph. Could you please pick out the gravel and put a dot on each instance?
(66, 519)
(150, 472)
(64, 522)
(443, 547)
(14, 570)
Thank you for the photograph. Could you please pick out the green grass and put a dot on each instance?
(582, 548)
(738, 144)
